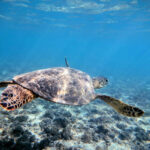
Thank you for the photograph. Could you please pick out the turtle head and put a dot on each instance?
(99, 82)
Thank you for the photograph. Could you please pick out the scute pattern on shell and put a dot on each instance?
(60, 85)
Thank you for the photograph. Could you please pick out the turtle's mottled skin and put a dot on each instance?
(12, 95)
(60, 85)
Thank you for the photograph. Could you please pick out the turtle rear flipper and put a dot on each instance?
(121, 107)
(14, 96)
(5, 83)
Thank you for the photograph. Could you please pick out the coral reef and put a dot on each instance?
(44, 125)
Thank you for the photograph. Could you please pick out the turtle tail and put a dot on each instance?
(121, 107)
(14, 96)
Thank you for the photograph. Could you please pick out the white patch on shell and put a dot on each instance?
(66, 79)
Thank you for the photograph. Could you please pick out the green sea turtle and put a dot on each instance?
(63, 85)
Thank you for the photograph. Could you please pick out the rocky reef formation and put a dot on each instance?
(42, 125)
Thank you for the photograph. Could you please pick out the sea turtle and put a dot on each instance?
(63, 85)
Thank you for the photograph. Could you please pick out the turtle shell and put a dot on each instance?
(61, 85)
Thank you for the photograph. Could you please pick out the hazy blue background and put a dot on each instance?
(106, 37)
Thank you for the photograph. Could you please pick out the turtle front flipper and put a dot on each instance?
(14, 96)
(66, 62)
(121, 107)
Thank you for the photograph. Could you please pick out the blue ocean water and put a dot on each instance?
(100, 37)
